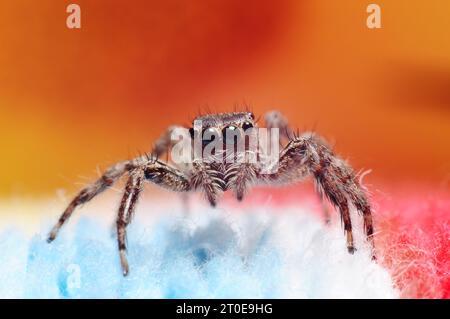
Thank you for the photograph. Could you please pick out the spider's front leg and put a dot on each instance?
(162, 145)
(310, 155)
(275, 119)
(106, 180)
(156, 172)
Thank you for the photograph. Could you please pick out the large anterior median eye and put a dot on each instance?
(247, 125)
(231, 134)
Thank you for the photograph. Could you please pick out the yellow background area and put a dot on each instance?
(73, 100)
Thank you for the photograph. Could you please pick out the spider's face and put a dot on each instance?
(226, 127)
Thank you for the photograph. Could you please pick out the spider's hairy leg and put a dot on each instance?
(110, 176)
(360, 201)
(275, 119)
(310, 155)
(166, 176)
(126, 210)
(156, 172)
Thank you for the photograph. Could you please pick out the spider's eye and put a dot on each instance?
(231, 134)
(209, 135)
(247, 125)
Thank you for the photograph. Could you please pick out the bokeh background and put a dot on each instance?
(72, 100)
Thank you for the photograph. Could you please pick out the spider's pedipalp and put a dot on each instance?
(208, 178)
(239, 177)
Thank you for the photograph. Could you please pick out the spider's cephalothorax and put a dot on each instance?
(215, 167)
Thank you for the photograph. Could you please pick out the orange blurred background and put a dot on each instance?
(72, 100)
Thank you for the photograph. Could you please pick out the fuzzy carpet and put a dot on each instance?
(262, 249)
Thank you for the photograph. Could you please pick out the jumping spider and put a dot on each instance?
(303, 155)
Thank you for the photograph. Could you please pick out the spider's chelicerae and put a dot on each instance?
(303, 155)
